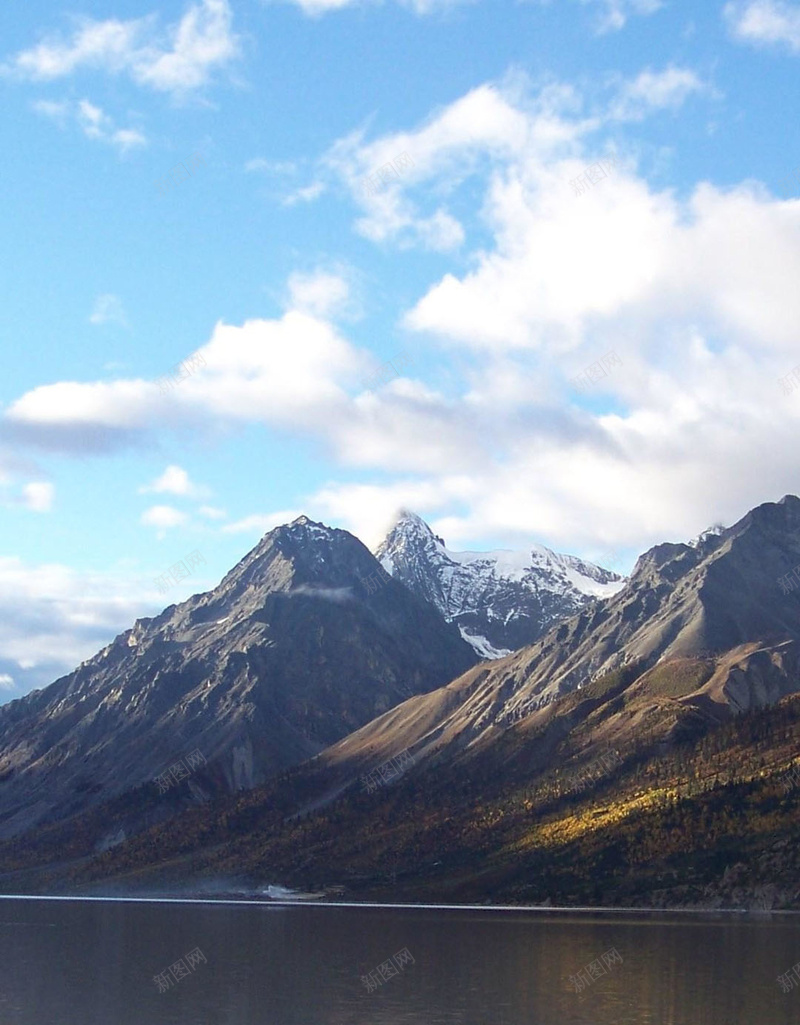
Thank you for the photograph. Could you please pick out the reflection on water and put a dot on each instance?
(115, 963)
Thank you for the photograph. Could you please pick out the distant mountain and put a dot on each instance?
(305, 640)
(501, 600)
(638, 752)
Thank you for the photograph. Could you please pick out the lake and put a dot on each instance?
(97, 962)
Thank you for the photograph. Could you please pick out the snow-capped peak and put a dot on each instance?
(713, 531)
(500, 600)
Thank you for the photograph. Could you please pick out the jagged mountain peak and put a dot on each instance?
(304, 524)
(304, 640)
(301, 553)
(710, 532)
(662, 560)
(407, 517)
(303, 530)
(773, 516)
(767, 523)
(500, 600)
(409, 526)
(684, 601)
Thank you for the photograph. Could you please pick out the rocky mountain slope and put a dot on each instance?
(603, 728)
(715, 605)
(305, 640)
(585, 767)
(709, 821)
(500, 600)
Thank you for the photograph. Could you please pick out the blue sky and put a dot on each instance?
(289, 194)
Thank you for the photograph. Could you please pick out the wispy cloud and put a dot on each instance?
(321, 293)
(174, 481)
(614, 14)
(265, 166)
(108, 309)
(163, 517)
(52, 617)
(38, 496)
(305, 194)
(655, 90)
(315, 8)
(765, 22)
(94, 123)
(212, 513)
(176, 60)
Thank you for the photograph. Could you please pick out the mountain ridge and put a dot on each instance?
(500, 600)
(261, 672)
(612, 724)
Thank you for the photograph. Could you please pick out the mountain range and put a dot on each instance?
(314, 666)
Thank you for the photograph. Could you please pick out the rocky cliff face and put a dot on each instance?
(501, 600)
(305, 640)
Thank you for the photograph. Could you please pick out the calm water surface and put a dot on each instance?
(94, 963)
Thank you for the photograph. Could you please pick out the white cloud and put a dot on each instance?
(765, 21)
(163, 517)
(106, 44)
(270, 166)
(319, 293)
(705, 334)
(57, 110)
(52, 617)
(38, 496)
(287, 372)
(615, 13)
(91, 119)
(212, 513)
(566, 268)
(497, 443)
(108, 309)
(175, 481)
(86, 417)
(95, 124)
(655, 90)
(314, 8)
(202, 41)
(177, 60)
(369, 510)
(489, 131)
(7, 682)
(127, 138)
(307, 194)
(482, 128)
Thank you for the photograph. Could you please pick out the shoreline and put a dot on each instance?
(365, 905)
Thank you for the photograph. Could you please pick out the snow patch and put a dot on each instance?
(713, 531)
(482, 646)
(594, 588)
